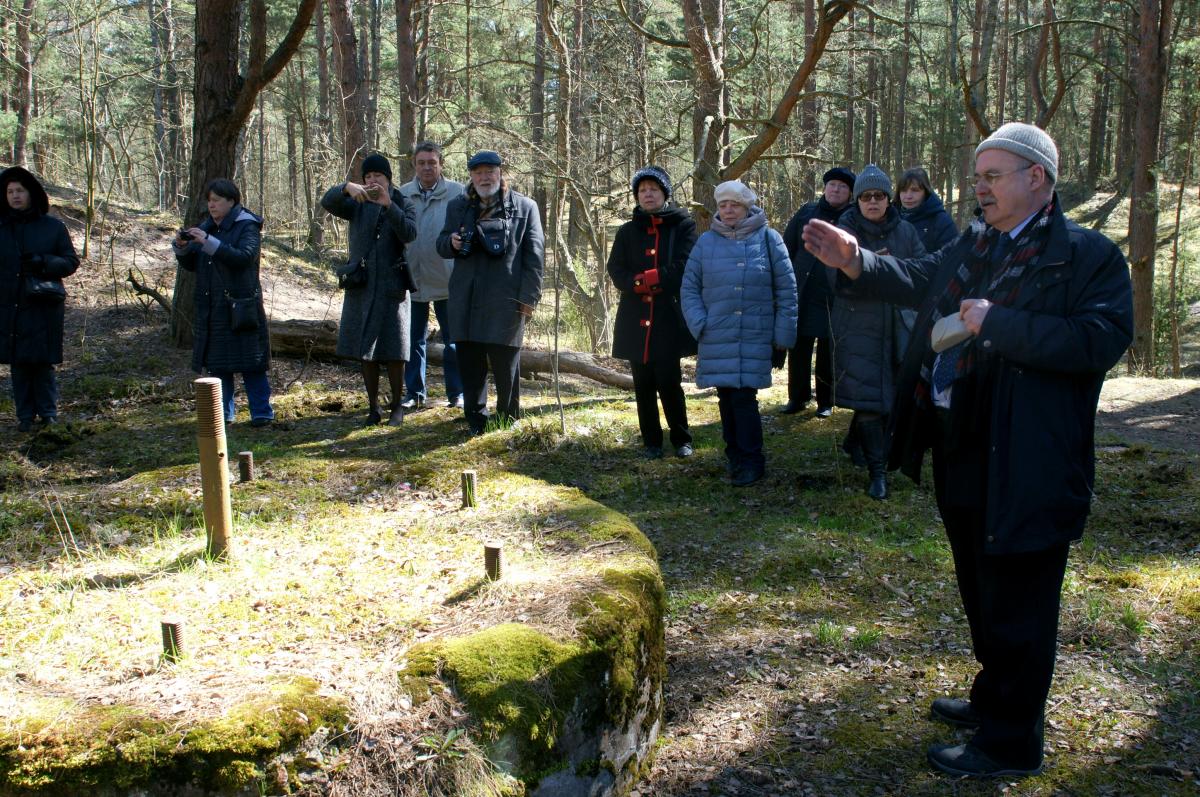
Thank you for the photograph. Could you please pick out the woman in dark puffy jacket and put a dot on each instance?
(646, 265)
(869, 336)
(229, 330)
(923, 209)
(35, 251)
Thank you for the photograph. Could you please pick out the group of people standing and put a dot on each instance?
(743, 297)
(987, 348)
(472, 255)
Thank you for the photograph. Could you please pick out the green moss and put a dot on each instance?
(520, 685)
(599, 523)
(119, 747)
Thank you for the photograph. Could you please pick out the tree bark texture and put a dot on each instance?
(1149, 74)
(352, 105)
(223, 100)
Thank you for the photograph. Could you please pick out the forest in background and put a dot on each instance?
(143, 101)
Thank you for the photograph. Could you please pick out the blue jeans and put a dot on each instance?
(414, 375)
(258, 395)
(35, 391)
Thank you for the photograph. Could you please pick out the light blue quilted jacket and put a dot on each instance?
(739, 301)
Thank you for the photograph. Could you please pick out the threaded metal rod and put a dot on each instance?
(493, 560)
(246, 465)
(469, 484)
(172, 639)
(214, 465)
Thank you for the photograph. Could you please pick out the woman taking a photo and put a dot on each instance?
(35, 254)
(229, 326)
(646, 265)
(739, 300)
(374, 327)
(868, 335)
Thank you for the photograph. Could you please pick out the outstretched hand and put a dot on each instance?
(833, 246)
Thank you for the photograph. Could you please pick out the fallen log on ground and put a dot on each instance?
(318, 340)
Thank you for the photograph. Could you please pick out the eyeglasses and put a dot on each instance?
(988, 178)
(873, 196)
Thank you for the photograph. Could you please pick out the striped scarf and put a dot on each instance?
(1023, 255)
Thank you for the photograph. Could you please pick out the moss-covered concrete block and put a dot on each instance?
(108, 750)
(568, 716)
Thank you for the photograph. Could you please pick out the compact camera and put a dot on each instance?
(467, 237)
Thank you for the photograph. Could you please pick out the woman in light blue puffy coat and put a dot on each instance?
(739, 301)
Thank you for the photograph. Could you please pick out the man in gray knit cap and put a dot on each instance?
(1020, 318)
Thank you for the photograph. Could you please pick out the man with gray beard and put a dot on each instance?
(494, 235)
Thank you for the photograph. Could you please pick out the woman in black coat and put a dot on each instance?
(923, 209)
(229, 328)
(35, 250)
(646, 264)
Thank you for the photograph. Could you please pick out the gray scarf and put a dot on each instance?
(740, 231)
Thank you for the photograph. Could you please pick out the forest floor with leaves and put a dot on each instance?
(808, 627)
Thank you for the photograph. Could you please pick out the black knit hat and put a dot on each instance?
(656, 173)
(841, 174)
(377, 163)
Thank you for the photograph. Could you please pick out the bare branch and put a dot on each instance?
(651, 36)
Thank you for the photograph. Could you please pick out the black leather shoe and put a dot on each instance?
(877, 487)
(374, 418)
(792, 407)
(652, 452)
(25, 426)
(954, 711)
(967, 760)
(685, 450)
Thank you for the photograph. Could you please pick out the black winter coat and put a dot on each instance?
(485, 290)
(1049, 351)
(229, 271)
(814, 282)
(933, 223)
(869, 336)
(652, 331)
(31, 330)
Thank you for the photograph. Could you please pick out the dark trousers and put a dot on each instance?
(504, 362)
(651, 382)
(800, 372)
(35, 391)
(414, 376)
(741, 426)
(1012, 606)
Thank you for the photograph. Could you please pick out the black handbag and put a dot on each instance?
(44, 289)
(243, 313)
(353, 275)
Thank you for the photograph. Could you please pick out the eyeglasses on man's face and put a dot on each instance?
(989, 178)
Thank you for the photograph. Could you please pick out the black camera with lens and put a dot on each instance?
(467, 238)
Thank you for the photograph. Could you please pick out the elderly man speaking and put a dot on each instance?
(1020, 318)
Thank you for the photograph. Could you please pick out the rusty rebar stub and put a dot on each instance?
(493, 560)
(210, 412)
(470, 484)
(246, 465)
(172, 639)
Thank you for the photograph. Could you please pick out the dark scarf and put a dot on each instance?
(1004, 282)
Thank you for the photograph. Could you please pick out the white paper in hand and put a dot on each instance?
(947, 332)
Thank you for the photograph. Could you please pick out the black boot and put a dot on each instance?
(873, 436)
(852, 445)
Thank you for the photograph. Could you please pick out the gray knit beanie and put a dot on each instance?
(872, 178)
(1027, 141)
